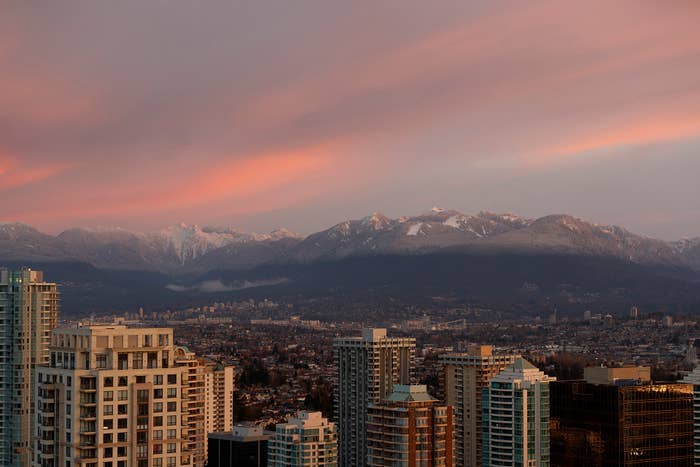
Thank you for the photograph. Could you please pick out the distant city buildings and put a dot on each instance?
(245, 446)
(308, 439)
(410, 428)
(516, 417)
(367, 368)
(464, 376)
(28, 314)
(617, 416)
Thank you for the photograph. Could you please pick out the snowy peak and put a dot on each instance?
(377, 221)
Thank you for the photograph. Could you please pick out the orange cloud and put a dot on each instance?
(659, 129)
(14, 175)
(249, 182)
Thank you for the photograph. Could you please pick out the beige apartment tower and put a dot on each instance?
(113, 396)
(220, 384)
(366, 370)
(464, 376)
(28, 313)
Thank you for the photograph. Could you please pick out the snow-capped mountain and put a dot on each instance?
(169, 250)
(192, 249)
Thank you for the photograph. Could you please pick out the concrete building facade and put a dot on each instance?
(28, 314)
(113, 396)
(366, 370)
(220, 384)
(464, 376)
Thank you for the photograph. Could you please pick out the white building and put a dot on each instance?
(305, 440)
(367, 368)
(516, 417)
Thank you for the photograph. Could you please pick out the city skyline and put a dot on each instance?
(259, 116)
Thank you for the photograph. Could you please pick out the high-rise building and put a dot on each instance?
(305, 440)
(463, 378)
(367, 368)
(617, 416)
(28, 313)
(245, 446)
(694, 379)
(220, 382)
(193, 410)
(113, 396)
(410, 428)
(516, 417)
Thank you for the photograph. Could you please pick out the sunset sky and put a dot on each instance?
(301, 114)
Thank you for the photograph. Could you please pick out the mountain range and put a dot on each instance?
(190, 249)
(492, 259)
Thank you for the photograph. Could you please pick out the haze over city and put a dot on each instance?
(303, 114)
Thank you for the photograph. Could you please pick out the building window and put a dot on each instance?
(140, 379)
(158, 379)
(108, 396)
(172, 379)
(172, 448)
(158, 421)
(123, 361)
(137, 359)
(172, 434)
(108, 410)
(152, 359)
(172, 392)
(121, 409)
(123, 395)
(108, 424)
(172, 406)
(123, 381)
(157, 434)
(121, 437)
(101, 361)
(108, 382)
(172, 420)
(122, 423)
(157, 393)
(157, 406)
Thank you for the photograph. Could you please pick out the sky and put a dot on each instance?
(262, 114)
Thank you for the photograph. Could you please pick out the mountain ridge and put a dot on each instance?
(191, 249)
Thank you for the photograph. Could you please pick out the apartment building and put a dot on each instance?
(367, 368)
(410, 428)
(308, 439)
(28, 314)
(113, 396)
(464, 376)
